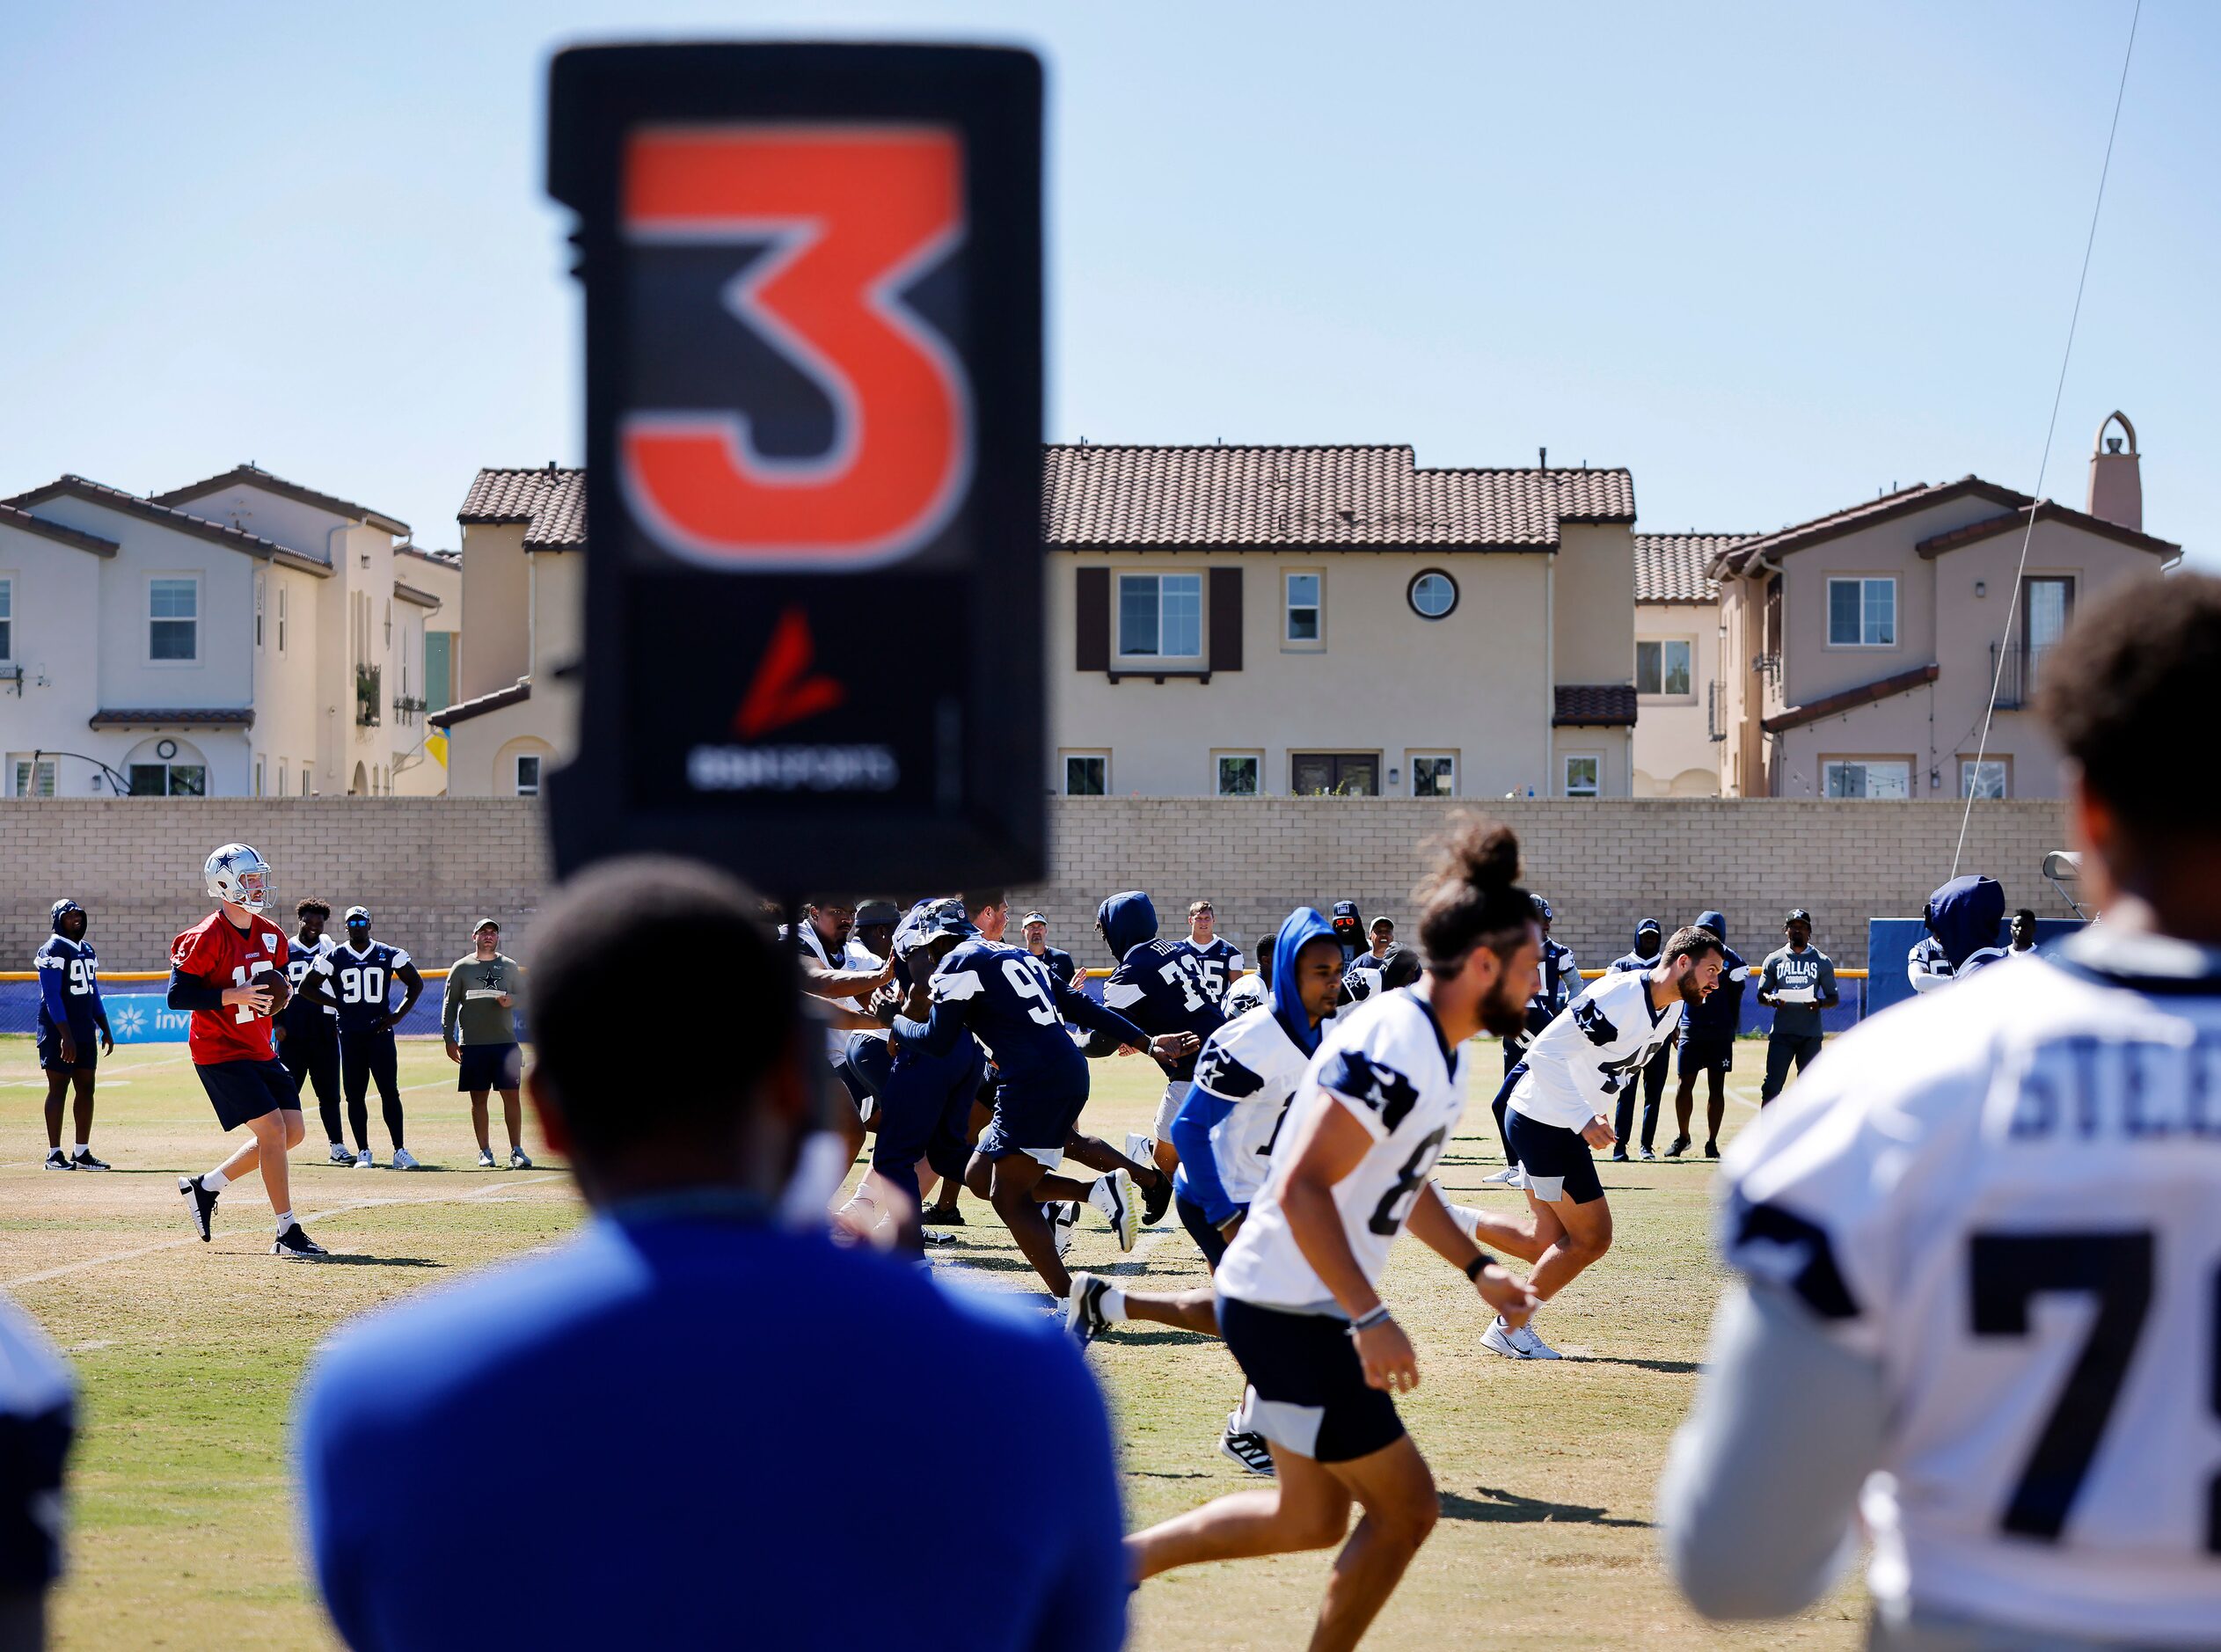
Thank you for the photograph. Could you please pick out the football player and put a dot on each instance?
(1555, 986)
(1649, 937)
(1299, 1302)
(1221, 959)
(1961, 918)
(307, 1032)
(38, 1422)
(1162, 988)
(356, 979)
(228, 970)
(1707, 1045)
(1244, 1078)
(1980, 1242)
(70, 1013)
(1007, 998)
(1558, 1102)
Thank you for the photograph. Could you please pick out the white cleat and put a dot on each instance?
(339, 1154)
(363, 1161)
(1113, 1196)
(1063, 1222)
(1508, 1177)
(519, 1159)
(1140, 1148)
(485, 1158)
(403, 1160)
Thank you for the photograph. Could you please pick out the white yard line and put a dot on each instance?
(313, 1216)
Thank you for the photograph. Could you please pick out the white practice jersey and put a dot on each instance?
(1388, 1065)
(1253, 1068)
(2009, 1197)
(1246, 995)
(1576, 1065)
(1927, 966)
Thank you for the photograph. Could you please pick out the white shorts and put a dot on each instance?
(1168, 1109)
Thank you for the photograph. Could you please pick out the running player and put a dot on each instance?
(1558, 1101)
(1299, 1302)
(70, 1014)
(228, 970)
(1980, 1242)
(1163, 988)
(307, 1032)
(477, 1024)
(1961, 920)
(1244, 1077)
(356, 980)
(1221, 959)
(1006, 997)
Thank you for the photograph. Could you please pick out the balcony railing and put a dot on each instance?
(2023, 673)
(408, 708)
(366, 696)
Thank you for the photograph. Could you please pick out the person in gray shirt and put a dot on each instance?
(1796, 982)
(477, 1019)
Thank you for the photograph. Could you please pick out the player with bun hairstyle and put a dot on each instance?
(1299, 1303)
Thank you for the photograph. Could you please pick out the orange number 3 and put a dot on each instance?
(853, 214)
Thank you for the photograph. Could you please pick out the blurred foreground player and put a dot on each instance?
(739, 1527)
(1981, 1244)
(37, 1423)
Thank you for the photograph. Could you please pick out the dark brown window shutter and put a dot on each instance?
(1225, 620)
(1091, 645)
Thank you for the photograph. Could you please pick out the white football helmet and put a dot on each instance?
(237, 873)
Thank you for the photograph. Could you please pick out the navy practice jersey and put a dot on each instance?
(1007, 998)
(1060, 963)
(1160, 986)
(1222, 963)
(300, 1017)
(68, 980)
(361, 981)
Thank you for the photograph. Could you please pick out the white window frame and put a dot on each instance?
(2001, 766)
(517, 773)
(8, 618)
(1158, 578)
(1862, 580)
(1064, 760)
(1218, 779)
(1413, 759)
(24, 770)
(1665, 696)
(1853, 760)
(1290, 608)
(1594, 788)
(150, 618)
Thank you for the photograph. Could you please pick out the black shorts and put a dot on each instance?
(1207, 1239)
(244, 1090)
(1558, 1163)
(1036, 1125)
(1701, 1052)
(88, 1042)
(489, 1067)
(1312, 1394)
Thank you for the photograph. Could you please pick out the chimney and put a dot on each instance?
(2116, 486)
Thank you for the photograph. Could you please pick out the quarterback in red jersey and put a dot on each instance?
(228, 970)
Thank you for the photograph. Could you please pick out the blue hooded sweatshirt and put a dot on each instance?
(1159, 984)
(1964, 915)
(1721, 1013)
(1632, 959)
(1198, 1178)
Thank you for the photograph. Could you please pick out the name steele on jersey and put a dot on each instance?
(788, 689)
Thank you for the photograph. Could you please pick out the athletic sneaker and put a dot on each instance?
(1520, 1344)
(86, 1161)
(519, 1159)
(1712, 1150)
(1676, 1147)
(1063, 1223)
(1619, 1155)
(937, 1239)
(1113, 1196)
(57, 1159)
(1246, 1448)
(1508, 1177)
(403, 1160)
(1084, 1319)
(339, 1154)
(935, 1216)
(485, 1158)
(1140, 1148)
(296, 1245)
(1646, 1156)
(199, 1204)
(1533, 1347)
(363, 1161)
(1156, 1200)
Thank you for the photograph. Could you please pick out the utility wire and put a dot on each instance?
(2043, 465)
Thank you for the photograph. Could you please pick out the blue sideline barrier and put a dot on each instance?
(1889, 941)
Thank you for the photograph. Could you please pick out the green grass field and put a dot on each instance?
(188, 1355)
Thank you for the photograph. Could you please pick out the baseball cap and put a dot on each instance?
(1033, 917)
(1799, 915)
(877, 912)
(354, 912)
(1542, 908)
(484, 923)
(1650, 926)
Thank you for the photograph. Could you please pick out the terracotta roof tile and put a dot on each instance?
(255, 476)
(549, 500)
(1595, 705)
(1352, 497)
(2050, 510)
(15, 516)
(173, 716)
(1849, 700)
(170, 517)
(1670, 567)
(1904, 502)
(462, 711)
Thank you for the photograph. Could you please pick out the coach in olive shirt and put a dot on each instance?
(478, 1018)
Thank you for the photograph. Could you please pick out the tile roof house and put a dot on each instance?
(1861, 647)
(1677, 662)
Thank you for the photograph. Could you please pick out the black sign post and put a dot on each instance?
(814, 581)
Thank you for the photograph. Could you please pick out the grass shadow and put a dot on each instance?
(1496, 1506)
(1129, 1335)
(338, 1260)
(1673, 1367)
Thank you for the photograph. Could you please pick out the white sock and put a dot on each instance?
(216, 1182)
(285, 1221)
(81, 1149)
(1112, 1304)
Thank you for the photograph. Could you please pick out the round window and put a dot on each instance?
(1433, 594)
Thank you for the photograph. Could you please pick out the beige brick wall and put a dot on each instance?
(426, 866)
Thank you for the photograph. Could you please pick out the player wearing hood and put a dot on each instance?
(1350, 930)
(1247, 1073)
(1649, 937)
(1963, 918)
(1707, 1044)
(70, 1014)
(1162, 987)
(1006, 997)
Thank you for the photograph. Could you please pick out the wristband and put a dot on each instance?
(1366, 1321)
(1479, 1265)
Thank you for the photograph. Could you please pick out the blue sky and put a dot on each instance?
(1772, 259)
